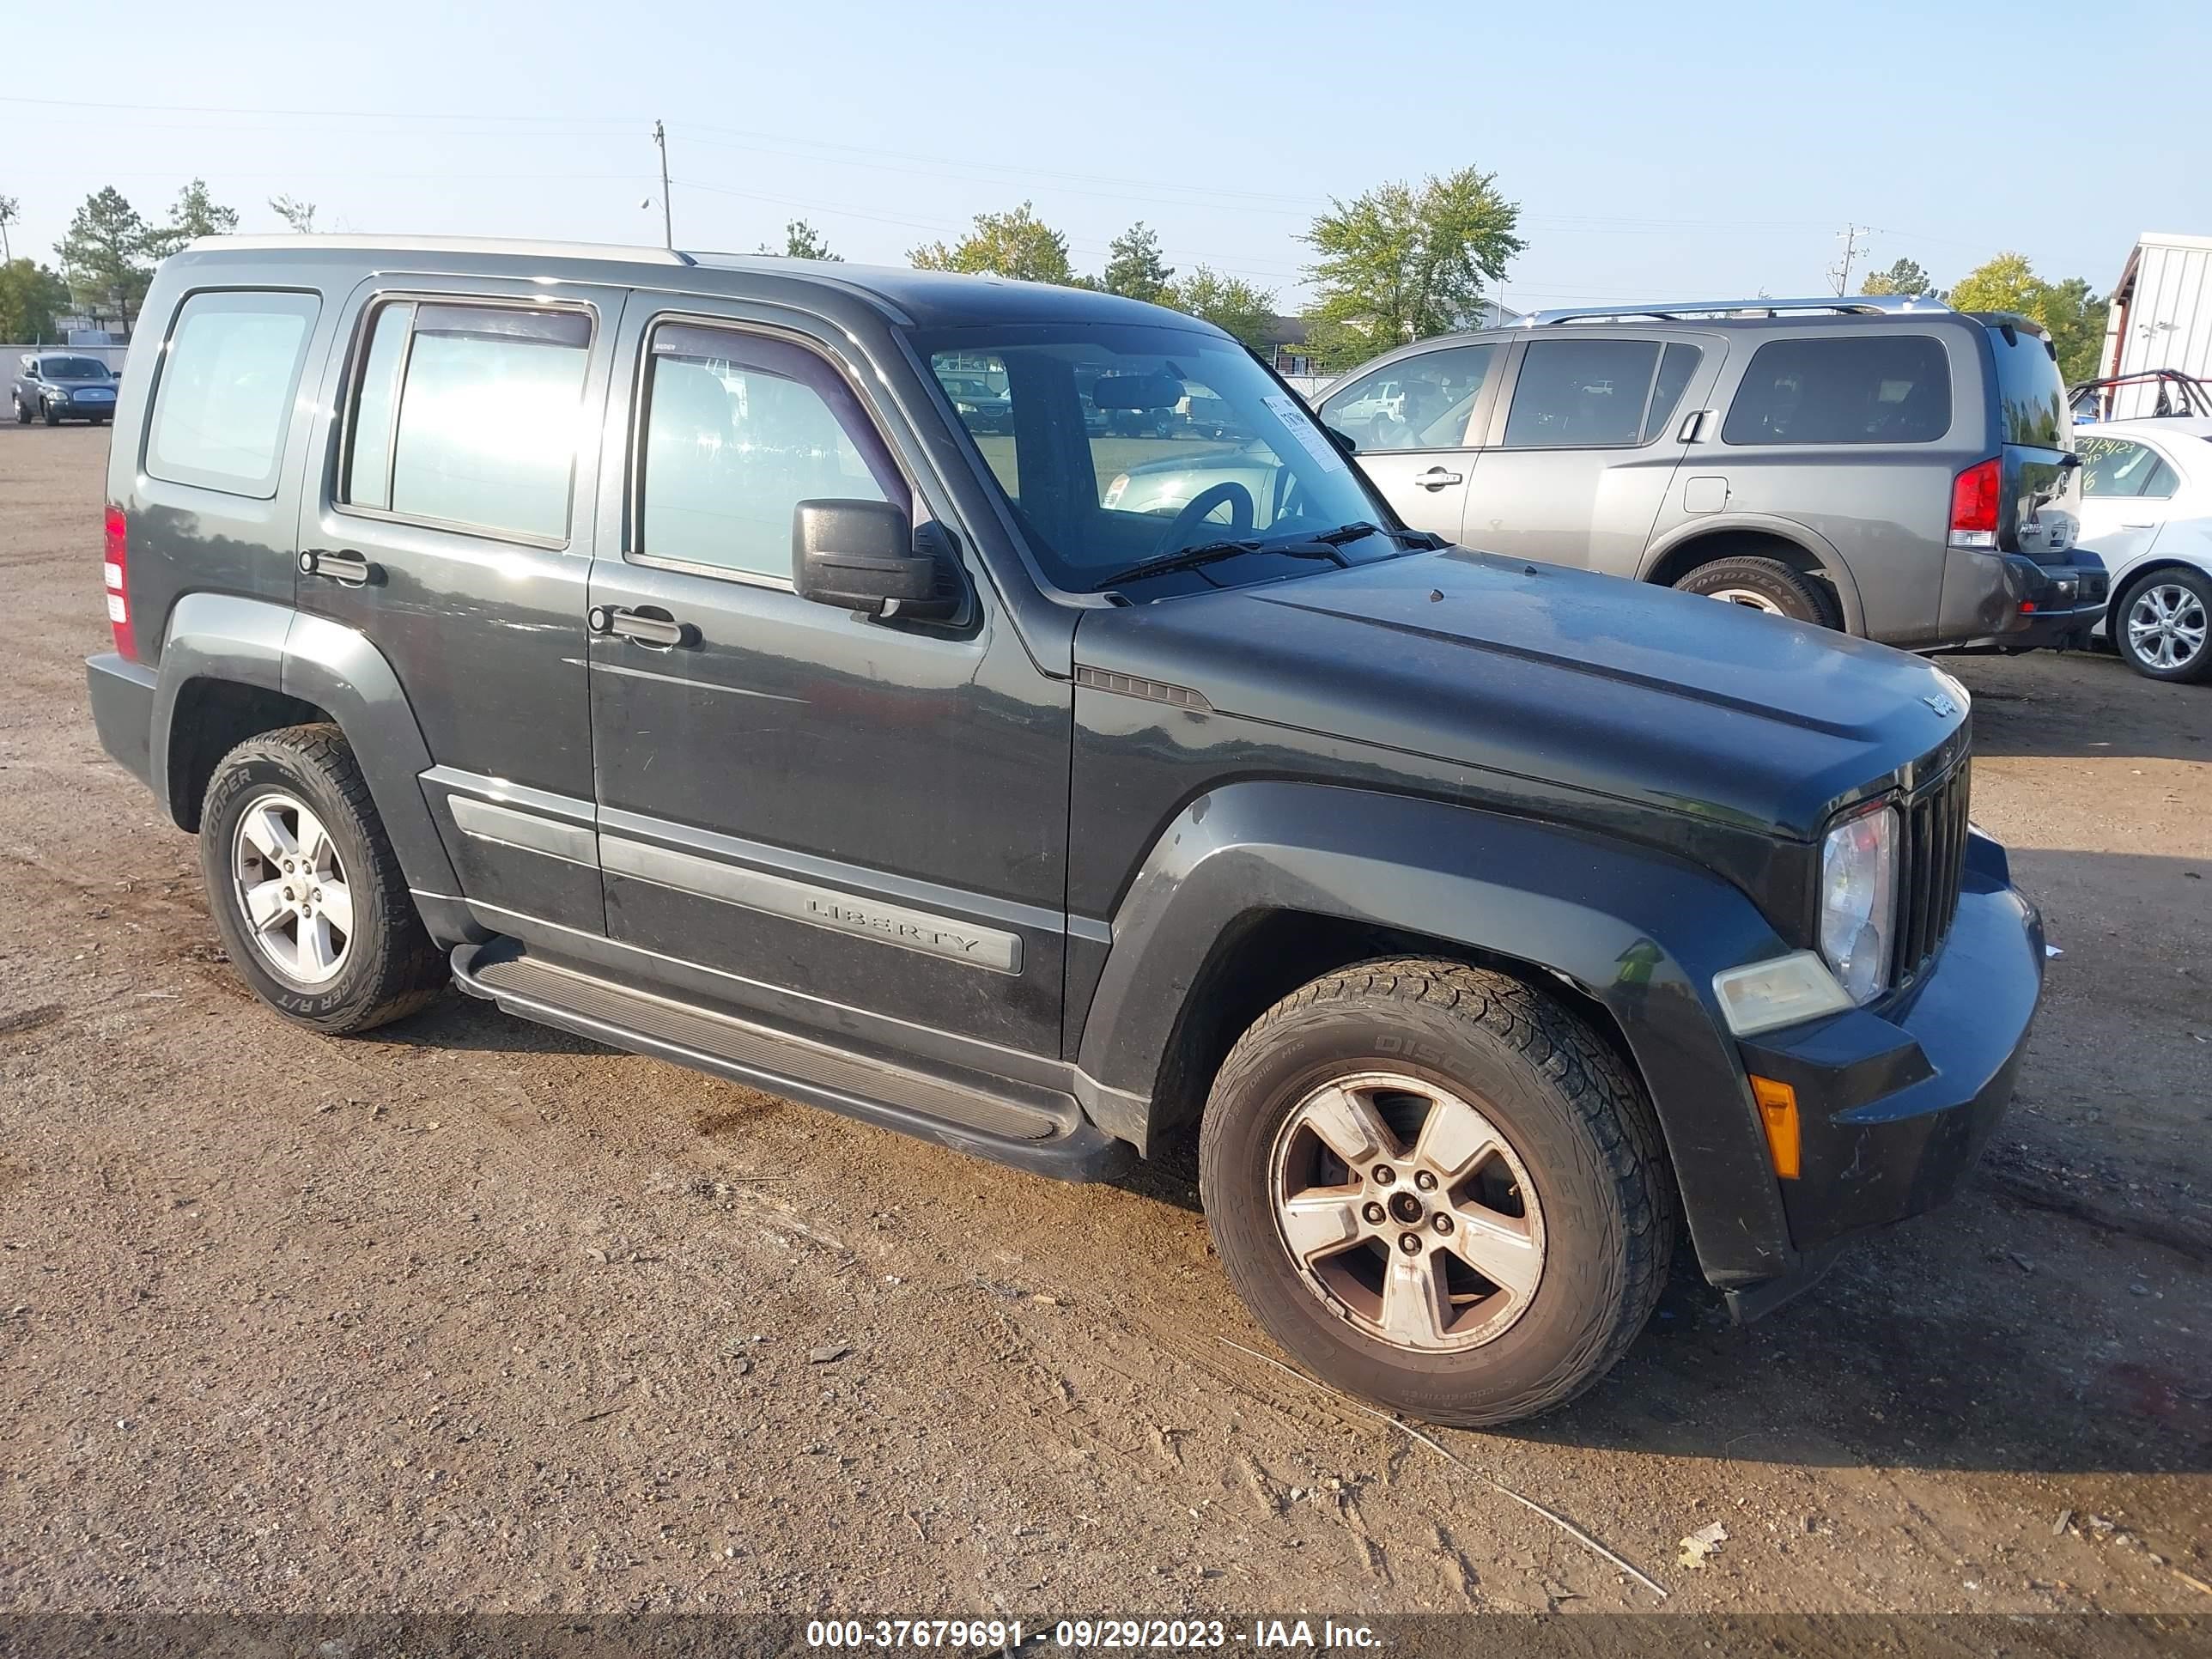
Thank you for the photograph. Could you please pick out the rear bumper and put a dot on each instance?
(2055, 605)
(122, 696)
(1897, 1100)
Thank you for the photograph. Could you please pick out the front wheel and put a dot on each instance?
(1437, 1188)
(304, 886)
(1765, 585)
(2162, 625)
(54, 416)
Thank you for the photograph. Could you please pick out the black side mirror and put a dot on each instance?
(1343, 440)
(864, 557)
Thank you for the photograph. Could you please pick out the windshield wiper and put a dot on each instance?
(1190, 558)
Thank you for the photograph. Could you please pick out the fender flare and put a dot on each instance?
(223, 636)
(1637, 930)
(1833, 563)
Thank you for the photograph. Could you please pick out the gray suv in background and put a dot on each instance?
(1886, 466)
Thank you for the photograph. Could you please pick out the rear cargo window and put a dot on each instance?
(2030, 394)
(1866, 389)
(485, 437)
(229, 376)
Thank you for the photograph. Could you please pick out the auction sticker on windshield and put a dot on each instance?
(1302, 427)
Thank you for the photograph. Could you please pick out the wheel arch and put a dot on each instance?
(1701, 542)
(233, 667)
(1258, 887)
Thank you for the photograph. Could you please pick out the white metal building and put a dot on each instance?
(2160, 317)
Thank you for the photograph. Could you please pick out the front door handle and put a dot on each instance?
(2146, 525)
(1437, 478)
(643, 627)
(341, 565)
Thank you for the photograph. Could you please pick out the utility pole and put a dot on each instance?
(667, 217)
(1849, 235)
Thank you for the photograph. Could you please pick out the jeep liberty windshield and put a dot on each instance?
(1119, 448)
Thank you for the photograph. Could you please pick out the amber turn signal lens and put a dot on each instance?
(1777, 1110)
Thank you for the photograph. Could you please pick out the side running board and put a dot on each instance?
(1037, 1130)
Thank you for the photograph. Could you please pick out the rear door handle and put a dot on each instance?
(340, 565)
(1693, 426)
(2146, 525)
(646, 629)
(1437, 478)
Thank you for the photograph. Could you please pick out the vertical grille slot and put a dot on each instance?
(1934, 860)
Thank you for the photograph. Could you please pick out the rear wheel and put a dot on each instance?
(304, 886)
(1767, 585)
(22, 412)
(2162, 624)
(1437, 1188)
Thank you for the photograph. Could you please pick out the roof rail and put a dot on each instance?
(1857, 304)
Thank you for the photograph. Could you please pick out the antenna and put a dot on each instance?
(1840, 274)
(667, 216)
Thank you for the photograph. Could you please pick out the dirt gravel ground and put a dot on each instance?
(468, 1315)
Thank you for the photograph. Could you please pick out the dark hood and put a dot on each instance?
(1540, 672)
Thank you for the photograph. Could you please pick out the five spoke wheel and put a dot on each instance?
(292, 890)
(1408, 1212)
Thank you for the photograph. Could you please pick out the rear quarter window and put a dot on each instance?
(229, 374)
(1866, 389)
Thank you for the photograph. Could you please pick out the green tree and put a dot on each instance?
(1400, 264)
(1905, 277)
(1015, 243)
(2070, 312)
(1231, 305)
(1134, 268)
(196, 214)
(104, 256)
(10, 211)
(802, 241)
(31, 297)
(2008, 283)
(299, 215)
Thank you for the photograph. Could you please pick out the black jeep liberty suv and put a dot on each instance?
(680, 650)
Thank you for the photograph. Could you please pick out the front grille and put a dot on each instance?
(1935, 858)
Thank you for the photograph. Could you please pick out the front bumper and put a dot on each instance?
(1896, 1100)
(122, 696)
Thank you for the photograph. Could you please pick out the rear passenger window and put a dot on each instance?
(1675, 369)
(466, 414)
(1879, 389)
(228, 375)
(739, 430)
(2113, 466)
(1581, 392)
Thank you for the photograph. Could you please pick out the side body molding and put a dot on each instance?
(223, 636)
(1640, 931)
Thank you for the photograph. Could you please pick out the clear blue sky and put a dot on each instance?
(1654, 151)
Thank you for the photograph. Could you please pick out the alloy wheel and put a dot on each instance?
(2166, 626)
(1408, 1212)
(291, 888)
(1747, 598)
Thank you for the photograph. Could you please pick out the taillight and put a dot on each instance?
(119, 596)
(1974, 504)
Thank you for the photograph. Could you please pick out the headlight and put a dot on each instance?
(963, 409)
(1113, 495)
(1858, 900)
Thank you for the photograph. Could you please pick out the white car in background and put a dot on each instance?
(2144, 498)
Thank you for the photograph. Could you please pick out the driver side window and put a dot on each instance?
(1414, 402)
